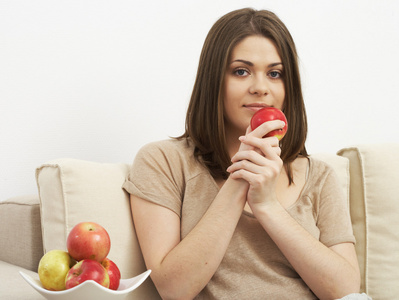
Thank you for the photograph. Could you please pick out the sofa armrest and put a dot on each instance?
(20, 232)
(374, 207)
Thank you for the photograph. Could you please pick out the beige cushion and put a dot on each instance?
(73, 191)
(20, 233)
(13, 285)
(374, 205)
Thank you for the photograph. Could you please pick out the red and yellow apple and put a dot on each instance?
(113, 273)
(269, 114)
(84, 270)
(88, 246)
(53, 268)
(88, 240)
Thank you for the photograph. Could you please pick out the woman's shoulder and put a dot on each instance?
(170, 153)
(172, 159)
(320, 170)
(320, 164)
(170, 146)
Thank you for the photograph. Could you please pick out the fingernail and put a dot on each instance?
(241, 138)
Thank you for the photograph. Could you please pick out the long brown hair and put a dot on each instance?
(205, 119)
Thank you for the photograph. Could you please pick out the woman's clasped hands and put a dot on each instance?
(258, 162)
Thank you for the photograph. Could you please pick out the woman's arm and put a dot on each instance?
(330, 272)
(181, 269)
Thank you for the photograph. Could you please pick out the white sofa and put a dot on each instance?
(71, 191)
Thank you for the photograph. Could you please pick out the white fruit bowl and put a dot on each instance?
(88, 289)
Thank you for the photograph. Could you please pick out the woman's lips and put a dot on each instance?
(256, 106)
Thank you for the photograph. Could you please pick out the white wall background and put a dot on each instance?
(95, 80)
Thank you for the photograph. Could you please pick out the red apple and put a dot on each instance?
(113, 273)
(87, 269)
(88, 240)
(270, 114)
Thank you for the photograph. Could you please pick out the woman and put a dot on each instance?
(222, 213)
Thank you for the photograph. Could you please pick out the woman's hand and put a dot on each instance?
(258, 162)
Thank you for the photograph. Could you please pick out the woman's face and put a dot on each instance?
(253, 80)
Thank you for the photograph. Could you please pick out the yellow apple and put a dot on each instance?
(53, 268)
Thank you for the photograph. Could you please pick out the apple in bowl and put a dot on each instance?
(53, 268)
(113, 273)
(88, 240)
(84, 270)
(88, 246)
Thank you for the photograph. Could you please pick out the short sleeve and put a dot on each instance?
(333, 218)
(156, 176)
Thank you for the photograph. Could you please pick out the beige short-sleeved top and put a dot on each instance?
(166, 173)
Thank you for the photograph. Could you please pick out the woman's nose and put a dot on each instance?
(259, 86)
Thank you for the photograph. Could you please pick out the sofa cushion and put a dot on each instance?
(13, 285)
(20, 233)
(73, 191)
(374, 206)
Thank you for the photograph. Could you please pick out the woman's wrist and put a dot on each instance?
(238, 188)
(267, 210)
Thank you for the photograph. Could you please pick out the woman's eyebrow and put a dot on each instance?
(244, 62)
(251, 64)
(275, 64)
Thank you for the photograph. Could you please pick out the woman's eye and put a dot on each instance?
(241, 72)
(275, 74)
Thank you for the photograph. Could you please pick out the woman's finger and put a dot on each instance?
(267, 127)
(245, 165)
(253, 162)
(269, 146)
(244, 147)
(255, 175)
(250, 155)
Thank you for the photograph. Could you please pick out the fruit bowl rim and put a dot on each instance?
(126, 285)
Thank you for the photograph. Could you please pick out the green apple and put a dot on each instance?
(53, 268)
